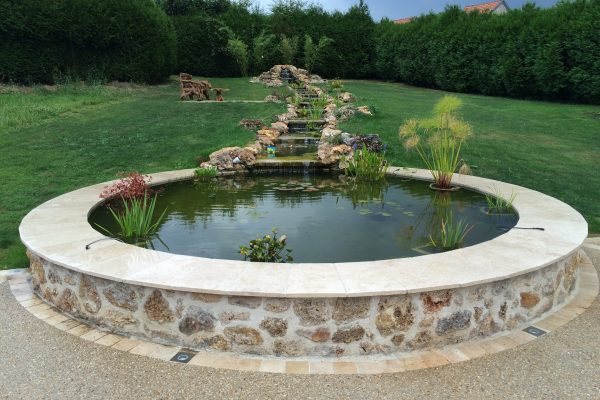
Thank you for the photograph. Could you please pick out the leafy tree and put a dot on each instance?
(239, 51)
(312, 50)
(288, 48)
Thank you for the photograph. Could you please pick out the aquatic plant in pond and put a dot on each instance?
(203, 173)
(497, 203)
(438, 140)
(366, 165)
(132, 185)
(327, 218)
(269, 248)
(320, 102)
(451, 233)
(136, 218)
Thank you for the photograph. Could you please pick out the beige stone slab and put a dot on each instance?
(57, 319)
(109, 339)
(414, 361)
(344, 367)
(320, 367)
(506, 342)
(45, 314)
(79, 330)
(20, 291)
(93, 335)
(155, 350)
(394, 366)
(521, 337)
(248, 364)
(126, 344)
(225, 362)
(273, 366)
(31, 302)
(434, 359)
(453, 355)
(25, 297)
(206, 359)
(68, 324)
(472, 350)
(550, 324)
(371, 367)
(296, 367)
(37, 308)
(491, 346)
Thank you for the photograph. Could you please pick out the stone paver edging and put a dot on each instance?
(19, 281)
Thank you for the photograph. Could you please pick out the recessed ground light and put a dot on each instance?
(184, 356)
(532, 330)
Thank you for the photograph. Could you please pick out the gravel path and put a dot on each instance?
(38, 361)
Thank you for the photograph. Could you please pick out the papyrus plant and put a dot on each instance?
(438, 140)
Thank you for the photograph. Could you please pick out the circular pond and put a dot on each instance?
(303, 309)
(325, 217)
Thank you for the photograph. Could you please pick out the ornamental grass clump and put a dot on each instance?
(136, 218)
(451, 234)
(366, 165)
(438, 140)
(269, 248)
(320, 102)
(499, 204)
(204, 173)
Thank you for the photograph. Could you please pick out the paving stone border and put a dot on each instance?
(20, 284)
(307, 310)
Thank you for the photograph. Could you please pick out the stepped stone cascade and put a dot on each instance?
(280, 75)
(296, 137)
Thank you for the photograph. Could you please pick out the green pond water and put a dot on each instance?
(325, 217)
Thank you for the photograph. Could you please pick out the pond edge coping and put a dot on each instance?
(58, 231)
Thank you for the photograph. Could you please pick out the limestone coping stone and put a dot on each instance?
(58, 231)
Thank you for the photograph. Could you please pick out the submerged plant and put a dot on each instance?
(136, 217)
(269, 248)
(438, 140)
(451, 233)
(366, 165)
(497, 203)
(205, 172)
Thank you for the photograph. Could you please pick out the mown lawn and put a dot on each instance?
(550, 147)
(78, 135)
(56, 141)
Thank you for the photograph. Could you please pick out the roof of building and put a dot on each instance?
(403, 20)
(485, 7)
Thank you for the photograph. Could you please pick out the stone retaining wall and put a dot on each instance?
(306, 326)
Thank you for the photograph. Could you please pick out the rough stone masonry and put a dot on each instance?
(307, 326)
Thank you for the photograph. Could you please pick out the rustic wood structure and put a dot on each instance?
(190, 88)
(219, 93)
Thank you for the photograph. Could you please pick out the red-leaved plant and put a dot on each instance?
(132, 185)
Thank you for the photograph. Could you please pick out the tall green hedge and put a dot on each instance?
(551, 54)
(45, 40)
(202, 46)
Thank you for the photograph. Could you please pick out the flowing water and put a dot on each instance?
(325, 217)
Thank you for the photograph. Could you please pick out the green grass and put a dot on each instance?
(55, 142)
(89, 134)
(550, 147)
